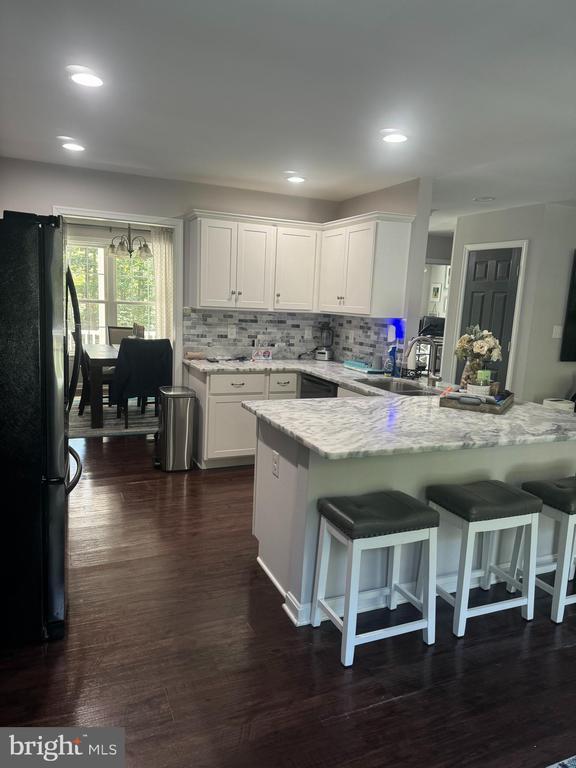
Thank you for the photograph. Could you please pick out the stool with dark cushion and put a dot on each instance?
(486, 507)
(559, 497)
(385, 519)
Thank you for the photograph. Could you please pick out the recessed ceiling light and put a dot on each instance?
(87, 79)
(393, 136)
(72, 146)
(65, 138)
(294, 177)
(84, 76)
(486, 199)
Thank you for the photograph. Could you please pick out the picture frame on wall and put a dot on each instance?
(435, 291)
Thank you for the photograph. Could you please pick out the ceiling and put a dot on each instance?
(235, 92)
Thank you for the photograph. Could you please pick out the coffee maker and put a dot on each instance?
(324, 350)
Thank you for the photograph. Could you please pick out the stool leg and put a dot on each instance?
(464, 575)
(563, 569)
(322, 562)
(351, 603)
(529, 567)
(488, 547)
(429, 594)
(393, 574)
(573, 562)
(515, 557)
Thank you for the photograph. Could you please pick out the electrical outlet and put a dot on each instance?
(231, 331)
(275, 463)
(308, 333)
(557, 332)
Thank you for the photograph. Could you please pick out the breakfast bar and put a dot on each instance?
(308, 449)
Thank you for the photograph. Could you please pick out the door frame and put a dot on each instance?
(177, 226)
(468, 249)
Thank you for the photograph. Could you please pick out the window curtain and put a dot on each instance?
(164, 273)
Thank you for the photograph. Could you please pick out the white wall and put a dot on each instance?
(36, 187)
(551, 232)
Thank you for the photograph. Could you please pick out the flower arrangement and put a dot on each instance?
(477, 347)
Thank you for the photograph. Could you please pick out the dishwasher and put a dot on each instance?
(312, 386)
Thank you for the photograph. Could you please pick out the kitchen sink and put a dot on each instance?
(398, 387)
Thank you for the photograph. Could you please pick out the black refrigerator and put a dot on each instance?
(37, 387)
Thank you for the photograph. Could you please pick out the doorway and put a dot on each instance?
(490, 298)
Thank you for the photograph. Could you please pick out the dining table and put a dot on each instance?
(98, 357)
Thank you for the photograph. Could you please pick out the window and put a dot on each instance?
(112, 290)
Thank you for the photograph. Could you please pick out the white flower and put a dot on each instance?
(486, 333)
(496, 354)
(480, 347)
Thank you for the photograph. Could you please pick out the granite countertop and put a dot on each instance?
(340, 428)
(379, 426)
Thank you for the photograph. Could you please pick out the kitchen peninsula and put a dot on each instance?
(312, 448)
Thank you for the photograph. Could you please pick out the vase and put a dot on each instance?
(470, 370)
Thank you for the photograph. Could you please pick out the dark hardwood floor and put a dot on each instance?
(176, 634)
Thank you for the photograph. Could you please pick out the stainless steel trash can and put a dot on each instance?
(176, 430)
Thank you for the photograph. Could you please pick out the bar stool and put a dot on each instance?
(385, 519)
(483, 508)
(559, 503)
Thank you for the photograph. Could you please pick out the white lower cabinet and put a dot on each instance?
(282, 396)
(231, 429)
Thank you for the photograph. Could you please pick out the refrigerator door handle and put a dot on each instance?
(78, 474)
(77, 335)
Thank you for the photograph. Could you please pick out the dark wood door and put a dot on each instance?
(490, 299)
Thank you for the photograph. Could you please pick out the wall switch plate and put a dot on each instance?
(275, 463)
(557, 332)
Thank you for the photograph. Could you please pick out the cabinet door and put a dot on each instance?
(218, 257)
(255, 266)
(361, 240)
(231, 429)
(295, 269)
(332, 270)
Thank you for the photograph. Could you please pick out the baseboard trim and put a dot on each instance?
(271, 576)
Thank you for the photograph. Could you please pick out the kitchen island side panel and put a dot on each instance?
(289, 518)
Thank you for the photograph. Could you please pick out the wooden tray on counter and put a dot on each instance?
(478, 407)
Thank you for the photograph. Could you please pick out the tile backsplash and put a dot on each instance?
(229, 333)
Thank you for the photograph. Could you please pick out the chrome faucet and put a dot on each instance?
(432, 377)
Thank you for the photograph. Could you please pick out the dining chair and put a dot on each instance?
(142, 367)
(139, 331)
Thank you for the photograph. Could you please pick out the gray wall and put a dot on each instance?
(36, 187)
(401, 198)
(551, 232)
(439, 249)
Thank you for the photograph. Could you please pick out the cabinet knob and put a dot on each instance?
(277, 295)
(232, 293)
(239, 293)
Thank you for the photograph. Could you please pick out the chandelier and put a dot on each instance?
(126, 245)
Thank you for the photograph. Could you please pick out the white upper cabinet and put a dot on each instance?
(332, 270)
(255, 269)
(364, 267)
(218, 258)
(358, 278)
(294, 286)
(356, 266)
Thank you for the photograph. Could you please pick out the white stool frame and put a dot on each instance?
(564, 566)
(460, 600)
(354, 549)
